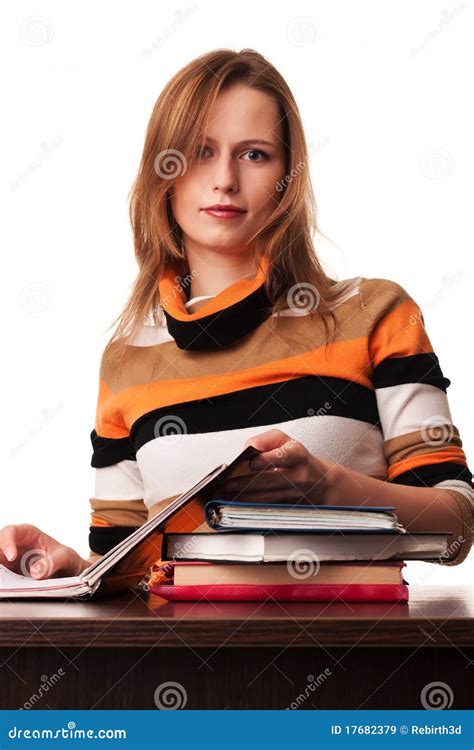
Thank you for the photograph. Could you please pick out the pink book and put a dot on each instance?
(301, 592)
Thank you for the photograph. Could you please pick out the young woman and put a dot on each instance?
(234, 334)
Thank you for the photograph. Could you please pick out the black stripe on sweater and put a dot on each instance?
(108, 451)
(262, 405)
(104, 538)
(431, 474)
(416, 368)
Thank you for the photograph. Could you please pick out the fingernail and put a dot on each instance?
(9, 553)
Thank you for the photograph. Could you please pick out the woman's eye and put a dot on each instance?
(256, 151)
(200, 152)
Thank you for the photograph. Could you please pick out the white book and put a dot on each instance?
(323, 546)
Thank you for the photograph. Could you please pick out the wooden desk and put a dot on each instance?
(114, 653)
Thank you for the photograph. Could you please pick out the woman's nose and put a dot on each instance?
(225, 175)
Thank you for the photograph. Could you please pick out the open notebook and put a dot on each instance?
(125, 564)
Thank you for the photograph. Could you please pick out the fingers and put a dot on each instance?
(290, 453)
(23, 545)
(267, 440)
(59, 560)
(8, 547)
(268, 483)
(16, 535)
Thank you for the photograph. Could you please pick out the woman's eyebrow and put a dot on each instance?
(247, 141)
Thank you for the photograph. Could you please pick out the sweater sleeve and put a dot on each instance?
(117, 507)
(422, 445)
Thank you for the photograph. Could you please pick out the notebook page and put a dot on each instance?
(9, 580)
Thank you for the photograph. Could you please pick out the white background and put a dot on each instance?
(384, 90)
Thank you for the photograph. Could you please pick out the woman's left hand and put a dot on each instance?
(284, 472)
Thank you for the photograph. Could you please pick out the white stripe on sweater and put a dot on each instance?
(172, 464)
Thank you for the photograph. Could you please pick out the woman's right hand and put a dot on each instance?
(23, 547)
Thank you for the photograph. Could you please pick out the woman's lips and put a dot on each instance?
(219, 213)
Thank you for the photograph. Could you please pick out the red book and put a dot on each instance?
(301, 592)
(374, 581)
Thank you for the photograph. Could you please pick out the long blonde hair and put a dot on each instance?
(170, 145)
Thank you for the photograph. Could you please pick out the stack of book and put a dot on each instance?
(262, 551)
(249, 551)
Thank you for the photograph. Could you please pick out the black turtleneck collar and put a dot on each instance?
(220, 321)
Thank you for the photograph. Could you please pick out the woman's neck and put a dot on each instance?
(212, 273)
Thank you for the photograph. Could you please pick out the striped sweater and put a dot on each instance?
(220, 369)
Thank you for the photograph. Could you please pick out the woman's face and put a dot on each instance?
(230, 171)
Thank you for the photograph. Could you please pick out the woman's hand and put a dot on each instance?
(23, 547)
(284, 472)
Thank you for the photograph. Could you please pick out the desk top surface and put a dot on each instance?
(434, 616)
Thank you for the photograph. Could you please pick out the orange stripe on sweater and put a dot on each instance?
(346, 360)
(400, 334)
(99, 522)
